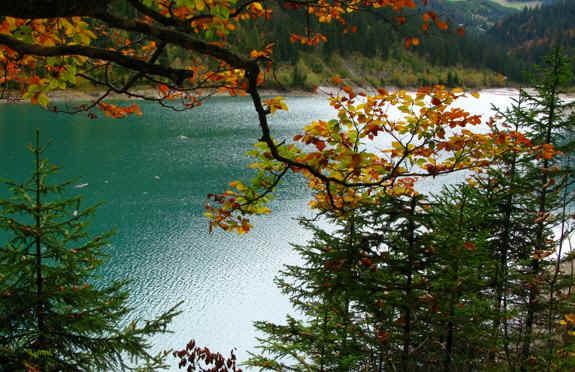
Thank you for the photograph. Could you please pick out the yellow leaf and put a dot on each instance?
(42, 100)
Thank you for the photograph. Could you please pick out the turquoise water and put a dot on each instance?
(154, 173)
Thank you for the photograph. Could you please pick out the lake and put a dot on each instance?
(154, 173)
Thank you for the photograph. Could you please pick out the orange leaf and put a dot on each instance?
(164, 89)
(319, 144)
(407, 43)
(441, 25)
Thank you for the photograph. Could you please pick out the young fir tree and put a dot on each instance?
(362, 290)
(393, 289)
(550, 123)
(54, 313)
(508, 193)
(529, 191)
(460, 232)
(320, 290)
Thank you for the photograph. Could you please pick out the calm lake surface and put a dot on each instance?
(154, 173)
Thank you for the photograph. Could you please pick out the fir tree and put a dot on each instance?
(320, 290)
(362, 289)
(55, 313)
(529, 191)
(460, 232)
(465, 280)
(548, 122)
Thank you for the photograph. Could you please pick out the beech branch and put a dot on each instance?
(176, 75)
(167, 31)
(178, 38)
(158, 17)
(32, 9)
(99, 10)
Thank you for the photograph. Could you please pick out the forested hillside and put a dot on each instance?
(531, 33)
(371, 50)
(475, 15)
(497, 46)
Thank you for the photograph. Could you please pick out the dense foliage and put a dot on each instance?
(469, 49)
(468, 279)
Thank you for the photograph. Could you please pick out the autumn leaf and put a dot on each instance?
(337, 80)
(276, 103)
(443, 26)
(164, 89)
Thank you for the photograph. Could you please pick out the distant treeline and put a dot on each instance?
(530, 34)
(377, 36)
(505, 41)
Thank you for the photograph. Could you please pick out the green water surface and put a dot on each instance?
(154, 173)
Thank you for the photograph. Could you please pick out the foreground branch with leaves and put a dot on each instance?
(121, 45)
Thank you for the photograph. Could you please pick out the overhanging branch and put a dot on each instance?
(178, 38)
(31, 9)
(176, 75)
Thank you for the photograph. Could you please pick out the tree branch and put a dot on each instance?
(175, 37)
(177, 75)
(158, 17)
(52, 8)
(99, 10)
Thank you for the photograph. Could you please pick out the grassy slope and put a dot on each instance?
(404, 69)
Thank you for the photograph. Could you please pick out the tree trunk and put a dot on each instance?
(409, 289)
(40, 306)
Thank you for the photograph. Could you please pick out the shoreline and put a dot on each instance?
(77, 95)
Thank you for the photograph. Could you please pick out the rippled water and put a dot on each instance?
(154, 173)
